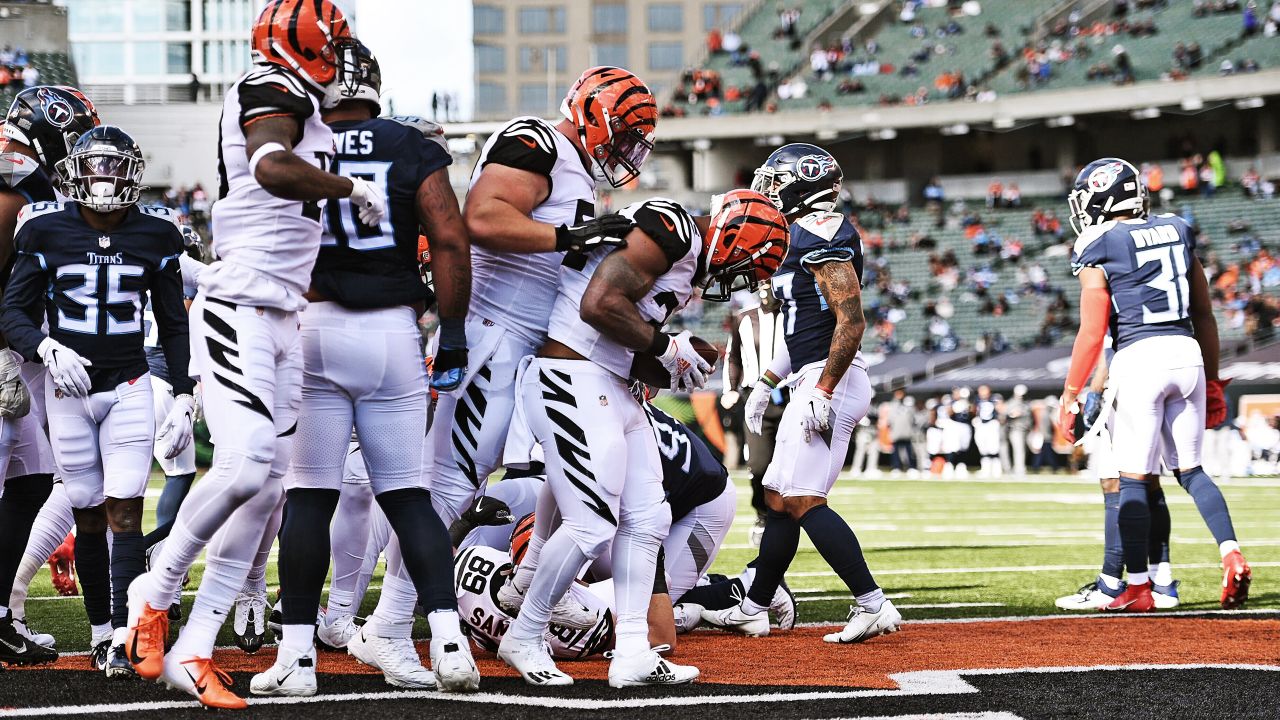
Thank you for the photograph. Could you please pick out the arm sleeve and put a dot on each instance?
(1095, 314)
(524, 145)
(191, 269)
(781, 363)
(23, 306)
(733, 356)
(171, 318)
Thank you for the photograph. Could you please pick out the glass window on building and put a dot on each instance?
(491, 99)
(720, 15)
(489, 20)
(99, 58)
(542, 19)
(94, 16)
(536, 99)
(149, 58)
(533, 58)
(178, 58)
(666, 17)
(491, 58)
(607, 19)
(161, 15)
(666, 55)
(614, 54)
(222, 15)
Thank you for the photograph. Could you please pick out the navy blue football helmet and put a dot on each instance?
(799, 178)
(104, 170)
(359, 77)
(50, 119)
(1105, 188)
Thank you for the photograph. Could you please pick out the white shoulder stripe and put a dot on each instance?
(262, 77)
(1090, 235)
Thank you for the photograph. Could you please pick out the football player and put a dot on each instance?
(575, 397)
(819, 285)
(40, 127)
(363, 364)
(98, 258)
(273, 154)
(1140, 279)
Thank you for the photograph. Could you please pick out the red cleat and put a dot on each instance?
(62, 566)
(1135, 598)
(1236, 577)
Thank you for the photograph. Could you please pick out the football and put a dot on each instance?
(648, 368)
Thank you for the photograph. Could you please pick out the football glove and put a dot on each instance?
(1215, 403)
(601, 232)
(815, 416)
(370, 203)
(1092, 410)
(15, 398)
(688, 370)
(62, 567)
(1067, 412)
(450, 361)
(66, 367)
(176, 431)
(488, 511)
(757, 403)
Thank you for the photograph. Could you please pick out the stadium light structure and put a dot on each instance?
(957, 129)
(1250, 103)
(1191, 103)
(1150, 113)
(1061, 121)
(883, 134)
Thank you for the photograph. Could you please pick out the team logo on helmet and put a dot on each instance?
(1105, 176)
(56, 110)
(812, 167)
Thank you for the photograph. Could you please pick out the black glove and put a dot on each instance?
(1092, 409)
(605, 230)
(488, 511)
(450, 361)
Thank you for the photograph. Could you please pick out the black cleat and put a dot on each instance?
(118, 665)
(98, 656)
(17, 649)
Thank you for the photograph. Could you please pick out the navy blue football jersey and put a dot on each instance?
(362, 266)
(807, 322)
(1147, 264)
(24, 176)
(691, 475)
(92, 287)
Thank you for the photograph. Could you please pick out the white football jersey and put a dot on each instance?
(266, 245)
(517, 290)
(478, 573)
(675, 232)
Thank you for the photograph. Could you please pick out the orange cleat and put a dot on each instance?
(1236, 577)
(205, 682)
(1135, 598)
(145, 641)
(62, 566)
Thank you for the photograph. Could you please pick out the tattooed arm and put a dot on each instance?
(621, 280)
(838, 282)
(450, 245)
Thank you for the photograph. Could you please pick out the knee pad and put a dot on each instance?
(592, 541)
(653, 521)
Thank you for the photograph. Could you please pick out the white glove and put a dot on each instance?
(729, 399)
(688, 370)
(176, 431)
(757, 403)
(15, 399)
(815, 415)
(66, 367)
(368, 200)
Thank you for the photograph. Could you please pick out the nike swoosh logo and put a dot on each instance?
(670, 226)
(528, 142)
(280, 682)
(199, 688)
(133, 651)
(16, 648)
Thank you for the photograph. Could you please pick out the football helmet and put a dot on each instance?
(359, 77)
(520, 535)
(744, 245)
(615, 115)
(1105, 188)
(305, 36)
(799, 178)
(104, 170)
(50, 119)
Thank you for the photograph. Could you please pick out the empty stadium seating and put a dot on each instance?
(55, 69)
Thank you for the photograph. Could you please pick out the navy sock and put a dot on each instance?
(128, 561)
(1210, 503)
(1158, 543)
(839, 547)
(1113, 550)
(716, 595)
(424, 544)
(93, 567)
(160, 533)
(778, 548)
(1135, 523)
(23, 497)
(175, 491)
(304, 552)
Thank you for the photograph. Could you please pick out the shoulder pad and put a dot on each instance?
(1091, 235)
(277, 76)
(162, 212)
(526, 143)
(271, 92)
(824, 224)
(14, 168)
(35, 210)
(667, 224)
(430, 130)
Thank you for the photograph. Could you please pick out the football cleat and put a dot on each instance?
(118, 665)
(567, 613)
(43, 639)
(17, 649)
(292, 675)
(533, 662)
(249, 625)
(335, 635)
(737, 620)
(1094, 596)
(688, 616)
(648, 668)
(62, 567)
(148, 631)
(397, 658)
(510, 598)
(756, 532)
(201, 679)
(455, 669)
(1236, 577)
(864, 624)
(1135, 598)
(98, 655)
(783, 608)
(1165, 596)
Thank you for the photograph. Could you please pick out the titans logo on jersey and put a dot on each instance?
(691, 475)
(92, 286)
(1146, 263)
(396, 154)
(807, 323)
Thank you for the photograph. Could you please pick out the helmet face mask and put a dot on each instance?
(622, 157)
(615, 116)
(799, 178)
(104, 171)
(358, 76)
(1104, 189)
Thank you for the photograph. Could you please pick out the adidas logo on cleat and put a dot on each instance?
(542, 676)
(661, 674)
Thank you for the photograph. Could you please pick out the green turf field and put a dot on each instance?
(975, 548)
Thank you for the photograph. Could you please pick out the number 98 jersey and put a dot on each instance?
(479, 572)
(1147, 263)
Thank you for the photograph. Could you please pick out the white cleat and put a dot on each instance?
(1166, 596)
(1089, 597)
(533, 662)
(510, 598)
(455, 669)
(648, 668)
(41, 639)
(736, 620)
(783, 608)
(864, 625)
(249, 624)
(293, 675)
(566, 613)
(338, 633)
(397, 658)
(688, 616)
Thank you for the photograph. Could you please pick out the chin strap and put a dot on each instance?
(1095, 314)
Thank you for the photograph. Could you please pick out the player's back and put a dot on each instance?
(517, 290)
(269, 242)
(691, 475)
(807, 321)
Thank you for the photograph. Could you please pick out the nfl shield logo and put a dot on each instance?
(604, 401)
(104, 241)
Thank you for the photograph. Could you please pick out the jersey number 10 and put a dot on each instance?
(342, 224)
(1172, 281)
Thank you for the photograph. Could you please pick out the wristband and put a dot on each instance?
(453, 333)
(265, 150)
(660, 343)
(828, 392)
(765, 379)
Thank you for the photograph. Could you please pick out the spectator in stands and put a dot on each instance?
(1251, 24)
(995, 191)
(5, 76)
(7, 56)
(732, 44)
(850, 87)
(1249, 181)
(788, 20)
(819, 64)
(933, 192)
(1123, 65)
(1207, 184)
(1190, 177)
(1012, 196)
(1153, 178)
(1195, 56)
(30, 76)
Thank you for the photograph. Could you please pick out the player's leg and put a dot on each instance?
(348, 540)
(692, 546)
(20, 505)
(180, 471)
(385, 642)
(1108, 585)
(48, 533)
(760, 447)
(249, 625)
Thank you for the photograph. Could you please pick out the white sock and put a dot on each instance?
(22, 583)
(298, 638)
(1112, 583)
(101, 632)
(118, 635)
(1138, 578)
(340, 605)
(393, 617)
(750, 607)
(871, 601)
(444, 624)
(565, 561)
(5, 612)
(1164, 574)
(1227, 547)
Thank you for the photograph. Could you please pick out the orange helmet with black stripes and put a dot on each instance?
(744, 244)
(520, 535)
(304, 36)
(615, 115)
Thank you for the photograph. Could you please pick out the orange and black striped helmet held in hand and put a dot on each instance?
(616, 117)
(744, 245)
